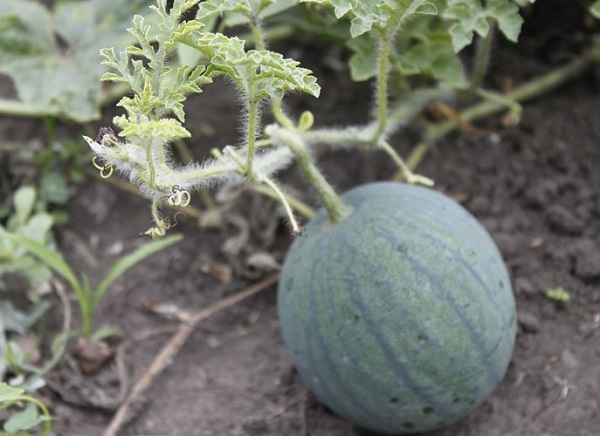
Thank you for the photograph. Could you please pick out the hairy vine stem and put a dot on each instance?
(482, 57)
(155, 115)
(337, 211)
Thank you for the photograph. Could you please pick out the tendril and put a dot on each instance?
(160, 229)
(105, 170)
(180, 197)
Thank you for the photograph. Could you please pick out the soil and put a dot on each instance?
(534, 186)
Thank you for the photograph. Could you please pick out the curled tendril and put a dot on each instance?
(105, 170)
(161, 227)
(175, 222)
(180, 197)
(159, 230)
(155, 232)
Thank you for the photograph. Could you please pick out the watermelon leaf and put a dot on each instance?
(51, 79)
(378, 14)
(474, 16)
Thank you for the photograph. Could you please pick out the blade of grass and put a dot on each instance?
(130, 260)
(51, 258)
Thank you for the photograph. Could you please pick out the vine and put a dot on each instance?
(154, 116)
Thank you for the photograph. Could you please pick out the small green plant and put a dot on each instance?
(30, 414)
(558, 294)
(88, 297)
(36, 225)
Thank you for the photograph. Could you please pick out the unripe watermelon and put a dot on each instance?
(401, 318)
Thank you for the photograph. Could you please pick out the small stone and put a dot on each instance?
(508, 244)
(524, 286)
(564, 221)
(568, 359)
(541, 193)
(528, 322)
(587, 260)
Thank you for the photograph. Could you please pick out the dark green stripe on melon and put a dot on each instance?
(401, 318)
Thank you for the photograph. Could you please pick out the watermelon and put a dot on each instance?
(401, 318)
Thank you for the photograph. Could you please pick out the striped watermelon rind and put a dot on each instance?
(401, 318)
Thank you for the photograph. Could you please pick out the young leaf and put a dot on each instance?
(422, 47)
(558, 294)
(472, 16)
(106, 332)
(130, 260)
(435, 58)
(24, 419)
(209, 8)
(363, 63)
(9, 394)
(267, 72)
(367, 14)
(270, 8)
(23, 199)
(38, 227)
(276, 74)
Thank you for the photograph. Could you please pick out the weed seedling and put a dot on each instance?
(88, 298)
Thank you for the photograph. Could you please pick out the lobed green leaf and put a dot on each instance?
(474, 16)
(379, 13)
(265, 71)
(265, 10)
(47, 77)
(209, 8)
(363, 63)
(165, 128)
(423, 47)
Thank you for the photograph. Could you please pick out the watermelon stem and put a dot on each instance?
(337, 211)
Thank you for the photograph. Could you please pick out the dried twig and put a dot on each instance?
(171, 348)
